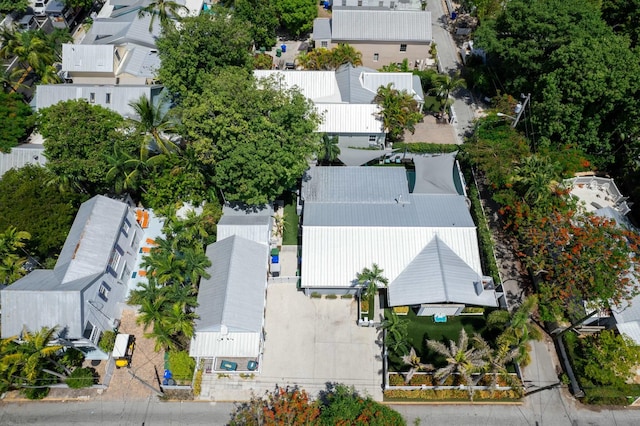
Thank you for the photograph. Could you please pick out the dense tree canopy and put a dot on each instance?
(297, 16)
(263, 16)
(257, 137)
(16, 118)
(78, 138)
(50, 212)
(203, 45)
(399, 111)
(8, 6)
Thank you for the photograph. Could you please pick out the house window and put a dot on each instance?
(92, 97)
(107, 98)
(133, 239)
(91, 332)
(125, 227)
(344, 2)
(372, 138)
(324, 44)
(359, 2)
(103, 291)
(118, 55)
(125, 272)
(381, 4)
(115, 259)
(392, 5)
(376, 56)
(403, 47)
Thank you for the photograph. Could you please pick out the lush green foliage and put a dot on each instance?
(603, 363)
(297, 16)
(82, 378)
(12, 243)
(16, 118)
(32, 363)
(371, 281)
(85, 4)
(181, 365)
(107, 341)
(51, 212)
(325, 59)
(78, 138)
(337, 405)
(399, 111)
(257, 137)
(202, 45)
(8, 6)
(263, 17)
(166, 11)
(424, 147)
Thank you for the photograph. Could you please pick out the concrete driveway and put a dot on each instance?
(309, 342)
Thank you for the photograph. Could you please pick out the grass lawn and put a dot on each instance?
(290, 234)
(422, 328)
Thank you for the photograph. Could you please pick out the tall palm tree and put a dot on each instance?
(461, 359)
(415, 365)
(329, 149)
(445, 84)
(179, 321)
(11, 240)
(396, 329)
(520, 330)
(165, 10)
(196, 263)
(154, 121)
(31, 49)
(33, 356)
(12, 243)
(371, 280)
(535, 179)
(165, 266)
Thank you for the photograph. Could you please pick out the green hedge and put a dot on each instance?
(181, 366)
(425, 148)
(450, 395)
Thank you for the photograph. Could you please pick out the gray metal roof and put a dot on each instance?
(355, 184)
(141, 62)
(381, 25)
(90, 241)
(321, 29)
(435, 174)
(234, 296)
(250, 222)
(124, 29)
(87, 58)
(438, 275)
(20, 156)
(39, 300)
(119, 96)
(432, 211)
(351, 88)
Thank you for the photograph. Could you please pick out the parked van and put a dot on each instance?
(39, 7)
(123, 350)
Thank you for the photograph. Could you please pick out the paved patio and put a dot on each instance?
(309, 342)
(430, 131)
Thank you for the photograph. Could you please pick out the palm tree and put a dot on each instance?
(33, 356)
(12, 241)
(153, 121)
(31, 49)
(496, 363)
(404, 67)
(445, 84)
(399, 111)
(370, 281)
(415, 365)
(165, 266)
(180, 321)
(165, 10)
(329, 149)
(461, 359)
(535, 179)
(195, 263)
(396, 329)
(344, 53)
(520, 330)
(152, 313)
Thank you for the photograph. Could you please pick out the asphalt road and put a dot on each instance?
(150, 413)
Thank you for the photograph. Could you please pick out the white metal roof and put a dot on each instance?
(350, 118)
(318, 86)
(438, 275)
(20, 156)
(87, 58)
(216, 344)
(381, 25)
(631, 330)
(234, 296)
(333, 255)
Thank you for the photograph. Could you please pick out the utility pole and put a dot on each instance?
(521, 111)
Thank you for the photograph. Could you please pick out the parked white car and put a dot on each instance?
(39, 7)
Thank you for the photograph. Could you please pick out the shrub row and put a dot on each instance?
(451, 394)
(425, 148)
(397, 379)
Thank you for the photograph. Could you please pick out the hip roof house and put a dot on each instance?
(426, 242)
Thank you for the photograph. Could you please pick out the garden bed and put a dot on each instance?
(458, 394)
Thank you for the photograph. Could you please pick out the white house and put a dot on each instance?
(82, 295)
(426, 242)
